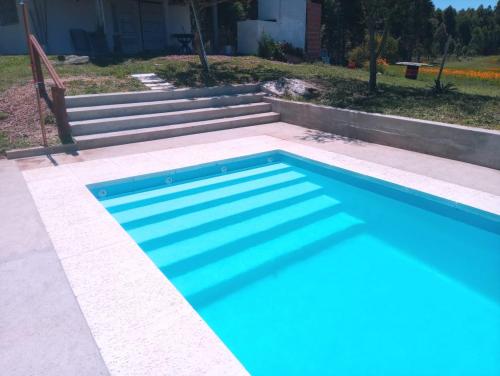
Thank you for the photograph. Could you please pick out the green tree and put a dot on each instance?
(419, 28)
(379, 14)
(440, 38)
(450, 20)
(414, 25)
(464, 27)
(477, 42)
(343, 27)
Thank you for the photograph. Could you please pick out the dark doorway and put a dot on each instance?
(139, 25)
(152, 17)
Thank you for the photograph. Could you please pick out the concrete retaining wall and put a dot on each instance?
(472, 145)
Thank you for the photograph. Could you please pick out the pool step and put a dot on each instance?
(86, 127)
(144, 108)
(240, 269)
(157, 95)
(153, 133)
(119, 118)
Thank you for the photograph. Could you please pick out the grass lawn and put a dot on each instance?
(477, 63)
(475, 103)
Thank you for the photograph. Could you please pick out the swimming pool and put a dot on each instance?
(302, 268)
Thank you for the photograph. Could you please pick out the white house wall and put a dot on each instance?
(248, 37)
(250, 33)
(292, 22)
(289, 25)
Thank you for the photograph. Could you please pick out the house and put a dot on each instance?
(130, 26)
(295, 21)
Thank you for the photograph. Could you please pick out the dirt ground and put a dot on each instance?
(19, 120)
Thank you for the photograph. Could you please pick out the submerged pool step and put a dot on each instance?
(208, 245)
(145, 211)
(254, 255)
(143, 108)
(186, 187)
(153, 133)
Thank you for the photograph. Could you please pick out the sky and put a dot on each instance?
(460, 4)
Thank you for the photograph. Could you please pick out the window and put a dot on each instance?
(8, 12)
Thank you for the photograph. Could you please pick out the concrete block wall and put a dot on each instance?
(466, 144)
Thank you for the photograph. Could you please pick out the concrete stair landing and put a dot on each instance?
(119, 118)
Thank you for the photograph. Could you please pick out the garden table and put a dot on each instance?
(184, 40)
(412, 68)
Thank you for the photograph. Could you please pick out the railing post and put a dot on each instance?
(59, 104)
(39, 74)
(36, 76)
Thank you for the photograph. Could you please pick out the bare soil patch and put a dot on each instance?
(19, 123)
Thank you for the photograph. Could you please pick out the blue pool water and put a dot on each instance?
(304, 269)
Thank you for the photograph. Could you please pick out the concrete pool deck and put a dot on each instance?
(42, 329)
(140, 323)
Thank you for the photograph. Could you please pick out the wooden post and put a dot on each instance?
(36, 71)
(39, 75)
(61, 115)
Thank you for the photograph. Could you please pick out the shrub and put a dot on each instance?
(267, 47)
(390, 51)
(381, 65)
(440, 88)
(361, 54)
(289, 49)
(279, 51)
(358, 56)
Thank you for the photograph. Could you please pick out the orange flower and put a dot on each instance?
(382, 61)
(483, 75)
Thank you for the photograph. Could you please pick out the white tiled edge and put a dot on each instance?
(141, 323)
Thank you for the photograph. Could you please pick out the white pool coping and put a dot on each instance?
(141, 323)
